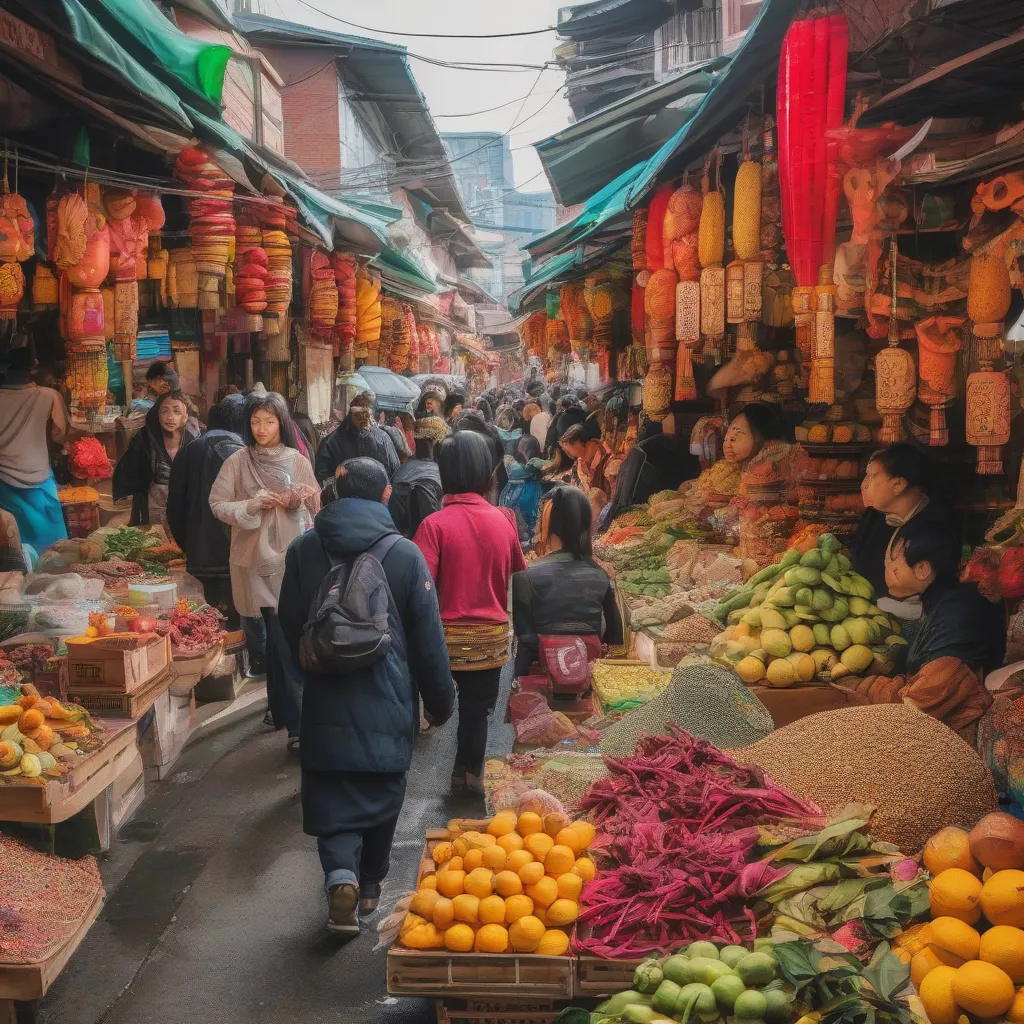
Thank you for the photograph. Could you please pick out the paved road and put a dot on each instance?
(215, 909)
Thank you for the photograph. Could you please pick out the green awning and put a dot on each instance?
(601, 211)
(359, 221)
(554, 269)
(401, 271)
(196, 66)
(94, 39)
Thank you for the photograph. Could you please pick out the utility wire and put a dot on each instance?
(428, 35)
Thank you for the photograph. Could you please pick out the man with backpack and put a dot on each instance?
(359, 611)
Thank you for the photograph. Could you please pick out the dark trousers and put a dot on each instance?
(255, 642)
(478, 693)
(284, 681)
(353, 816)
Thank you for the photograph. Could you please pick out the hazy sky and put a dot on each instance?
(535, 103)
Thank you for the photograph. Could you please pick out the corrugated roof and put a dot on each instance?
(587, 155)
(602, 17)
(381, 75)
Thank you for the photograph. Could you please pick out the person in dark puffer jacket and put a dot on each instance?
(358, 730)
(204, 539)
(357, 436)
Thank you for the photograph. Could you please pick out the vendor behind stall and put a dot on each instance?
(596, 467)
(27, 488)
(895, 489)
(564, 593)
(962, 636)
(144, 471)
(657, 463)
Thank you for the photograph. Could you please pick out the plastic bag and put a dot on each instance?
(536, 724)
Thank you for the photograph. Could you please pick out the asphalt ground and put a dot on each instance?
(215, 910)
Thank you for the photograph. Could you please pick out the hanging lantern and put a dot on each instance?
(988, 291)
(45, 288)
(345, 267)
(895, 377)
(988, 416)
(368, 314)
(712, 302)
(734, 293)
(212, 224)
(638, 241)
(82, 254)
(250, 272)
(87, 378)
(752, 273)
(771, 203)
(938, 344)
(17, 244)
(322, 300)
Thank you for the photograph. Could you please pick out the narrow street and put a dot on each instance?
(215, 911)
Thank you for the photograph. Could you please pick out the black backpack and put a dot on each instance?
(348, 626)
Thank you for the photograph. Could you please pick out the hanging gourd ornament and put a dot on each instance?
(17, 244)
(938, 343)
(82, 254)
(711, 252)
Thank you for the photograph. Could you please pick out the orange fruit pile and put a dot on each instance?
(513, 888)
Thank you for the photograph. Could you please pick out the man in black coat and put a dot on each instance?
(205, 540)
(358, 731)
(357, 436)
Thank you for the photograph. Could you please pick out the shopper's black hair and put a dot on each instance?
(571, 516)
(765, 422)
(465, 463)
(361, 478)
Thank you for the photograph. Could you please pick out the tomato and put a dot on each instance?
(144, 625)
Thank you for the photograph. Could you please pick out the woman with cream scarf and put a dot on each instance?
(268, 494)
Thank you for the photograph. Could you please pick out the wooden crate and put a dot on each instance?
(514, 976)
(479, 1011)
(61, 798)
(109, 703)
(25, 982)
(109, 663)
(598, 977)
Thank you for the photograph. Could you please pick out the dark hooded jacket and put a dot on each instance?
(205, 540)
(345, 442)
(416, 493)
(145, 462)
(366, 721)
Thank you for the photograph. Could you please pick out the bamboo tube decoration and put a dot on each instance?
(988, 417)
(938, 345)
(823, 359)
(895, 378)
(752, 274)
(734, 293)
(803, 316)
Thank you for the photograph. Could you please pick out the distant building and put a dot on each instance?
(482, 164)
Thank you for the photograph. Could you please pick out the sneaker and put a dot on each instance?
(343, 916)
(369, 897)
(474, 783)
(293, 743)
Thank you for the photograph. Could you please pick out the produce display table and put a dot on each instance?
(60, 799)
(788, 704)
(25, 982)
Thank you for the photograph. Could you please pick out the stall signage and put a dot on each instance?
(18, 35)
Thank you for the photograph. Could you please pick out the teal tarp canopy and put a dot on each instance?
(540, 277)
(92, 37)
(599, 211)
(192, 64)
(400, 269)
(359, 221)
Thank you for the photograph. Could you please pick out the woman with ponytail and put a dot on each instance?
(564, 594)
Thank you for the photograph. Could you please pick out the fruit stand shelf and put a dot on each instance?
(61, 798)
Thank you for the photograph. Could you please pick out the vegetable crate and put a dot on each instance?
(117, 664)
(596, 976)
(441, 973)
(110, 703)
(476, 1011)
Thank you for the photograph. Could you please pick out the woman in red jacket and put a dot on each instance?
(472, 549)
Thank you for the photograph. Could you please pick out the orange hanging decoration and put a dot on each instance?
(938, 343)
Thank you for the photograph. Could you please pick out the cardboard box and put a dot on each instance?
(108, 663)
(164, 732)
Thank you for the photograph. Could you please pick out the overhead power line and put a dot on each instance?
(429, 35)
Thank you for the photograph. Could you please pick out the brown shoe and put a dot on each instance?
(343, 916)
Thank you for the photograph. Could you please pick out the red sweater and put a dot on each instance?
(472, 549)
